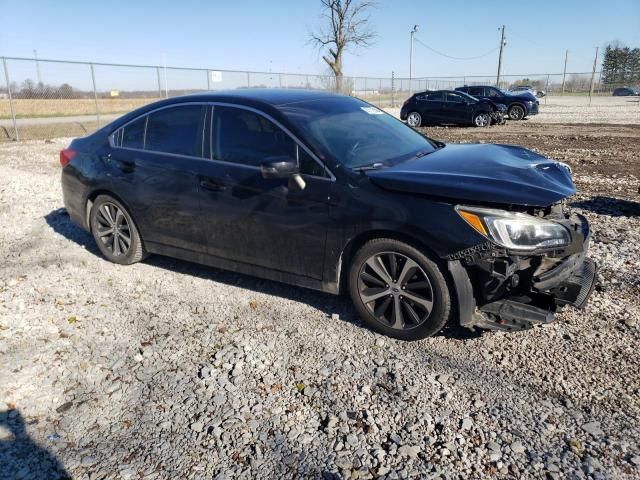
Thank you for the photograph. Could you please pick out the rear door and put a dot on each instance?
(155, 161)
(433, 107)
(271, 223)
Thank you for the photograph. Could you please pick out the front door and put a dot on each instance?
(456, 109)
(272, 223)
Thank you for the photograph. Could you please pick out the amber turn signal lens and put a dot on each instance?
(473, 220)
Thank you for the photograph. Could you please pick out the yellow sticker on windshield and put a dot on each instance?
(372, 110)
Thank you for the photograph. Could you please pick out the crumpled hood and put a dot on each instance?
(486, 173)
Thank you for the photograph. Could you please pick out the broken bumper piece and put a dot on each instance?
(569, 281)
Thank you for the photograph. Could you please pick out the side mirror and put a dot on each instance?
(279, 167)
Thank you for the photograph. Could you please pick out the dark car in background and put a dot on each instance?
(443, 107)
(519, 105)
(328, 192)
(626, 92)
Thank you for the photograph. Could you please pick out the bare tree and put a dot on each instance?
(346, 26)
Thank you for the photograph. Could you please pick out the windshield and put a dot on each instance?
(355, 133)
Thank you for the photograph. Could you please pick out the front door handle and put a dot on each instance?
(212, 184)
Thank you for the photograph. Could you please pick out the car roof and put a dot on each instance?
(266, 100)
(268, 96)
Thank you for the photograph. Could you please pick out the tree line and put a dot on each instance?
(621, 64)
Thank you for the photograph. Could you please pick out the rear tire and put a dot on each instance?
(414, 305)
(114, 231)
(414, 119)
(517, 112)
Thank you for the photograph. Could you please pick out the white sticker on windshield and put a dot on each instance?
(372, 110)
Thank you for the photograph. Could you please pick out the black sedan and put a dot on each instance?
(329, 192)
(445, 107)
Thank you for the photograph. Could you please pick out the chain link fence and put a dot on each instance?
(51, 98)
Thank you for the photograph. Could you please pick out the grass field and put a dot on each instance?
(42, 108)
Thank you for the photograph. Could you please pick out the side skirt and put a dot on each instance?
(244, 268)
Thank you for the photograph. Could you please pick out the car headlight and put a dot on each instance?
(514, 230)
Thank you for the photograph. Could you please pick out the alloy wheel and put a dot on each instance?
(414, 119)
(396, 290)
(516, 113)
(113, 229)
(482, 120)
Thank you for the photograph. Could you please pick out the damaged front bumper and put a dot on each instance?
(498, 289)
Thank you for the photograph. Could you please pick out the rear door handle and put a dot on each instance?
(212, 184)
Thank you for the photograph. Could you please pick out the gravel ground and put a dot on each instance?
(167, 369)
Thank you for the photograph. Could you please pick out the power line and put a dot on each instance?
(452, 57)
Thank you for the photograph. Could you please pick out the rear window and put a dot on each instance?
(132, 135)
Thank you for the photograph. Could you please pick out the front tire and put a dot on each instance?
(114, 231)
(414, 119)
(482, 120)
(516, 112)
(398, 291)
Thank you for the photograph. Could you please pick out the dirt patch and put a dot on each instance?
(597, 153)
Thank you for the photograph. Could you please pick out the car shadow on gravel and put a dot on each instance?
(614, 207)
(20, 456)
(331, 305)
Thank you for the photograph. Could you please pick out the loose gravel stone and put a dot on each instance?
(170, 369)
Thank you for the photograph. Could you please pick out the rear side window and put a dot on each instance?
(245, 137)
(132, 135)
(175, 130)
(475, 91)
(435, 97)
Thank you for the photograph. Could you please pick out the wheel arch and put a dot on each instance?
(91, 198)
(350, 249)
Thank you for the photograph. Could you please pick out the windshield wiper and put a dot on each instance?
(371, 166)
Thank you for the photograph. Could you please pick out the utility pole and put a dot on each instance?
(593, 74)
(411, 34)
(502, 44)
(564, 73)
(35, 55)
(166, 88)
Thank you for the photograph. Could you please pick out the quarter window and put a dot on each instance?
(175, 130)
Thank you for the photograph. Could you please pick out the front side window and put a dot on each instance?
(175, 130)
(245, 137)
(454, 98)
(494, 92)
